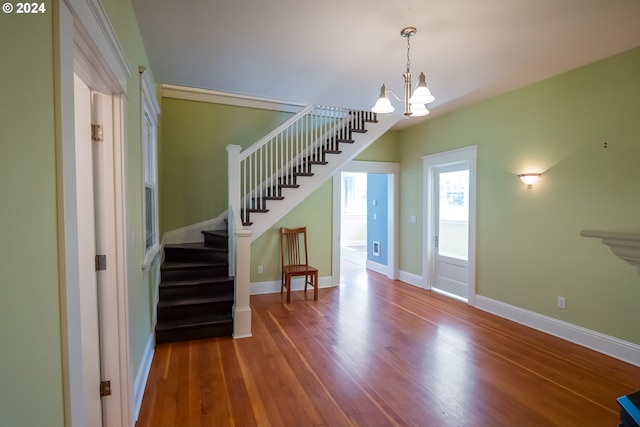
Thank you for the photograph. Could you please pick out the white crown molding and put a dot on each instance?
(226, 98)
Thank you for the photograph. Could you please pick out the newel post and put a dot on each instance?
(239, 249)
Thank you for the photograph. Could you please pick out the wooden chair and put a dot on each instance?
(295, 261)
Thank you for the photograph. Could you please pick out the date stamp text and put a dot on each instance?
(23, 8)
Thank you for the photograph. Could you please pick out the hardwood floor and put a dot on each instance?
(375, 352)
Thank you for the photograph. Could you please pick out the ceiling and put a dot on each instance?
(339, 52)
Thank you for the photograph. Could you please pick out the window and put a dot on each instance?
(150, 111)
(354, 193)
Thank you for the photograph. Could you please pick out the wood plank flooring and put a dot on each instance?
(375, 352)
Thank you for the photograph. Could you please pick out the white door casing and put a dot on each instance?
(461, 157)
(393, 228)
(451, 230)
(86, 47)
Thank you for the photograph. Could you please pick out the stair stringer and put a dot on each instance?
(277, 209)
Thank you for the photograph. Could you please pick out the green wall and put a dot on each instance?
(529, 248)
(142, 283)
(31, 358)
(193, 156)
(31, 377)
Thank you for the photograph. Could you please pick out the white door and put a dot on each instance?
(86, 157)
(451, 237)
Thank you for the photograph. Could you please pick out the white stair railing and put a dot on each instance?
(289, 150)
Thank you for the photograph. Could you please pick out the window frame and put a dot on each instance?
(150, 110)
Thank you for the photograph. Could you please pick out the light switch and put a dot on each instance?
(413, 218)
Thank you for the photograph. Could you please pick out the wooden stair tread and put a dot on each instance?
(200, 246)
(187, 265)
(194, 282)
(180, 302)
(178, 324)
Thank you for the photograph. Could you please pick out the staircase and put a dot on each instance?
(197, 298)
(283, 168)
(196, 294)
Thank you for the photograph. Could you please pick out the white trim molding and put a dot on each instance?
(226, 98)
(614, 347)
(193, 233)
(297, 284)
(393, 226)
(411, 279)
(142, 376)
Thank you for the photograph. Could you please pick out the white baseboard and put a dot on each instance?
(614, 347)
(377, 267)
(193, 233)
(297, 284)
(410, 278)
(141, 378)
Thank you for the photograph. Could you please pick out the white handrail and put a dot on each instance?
(277, 159)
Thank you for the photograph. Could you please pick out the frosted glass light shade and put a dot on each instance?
(529, 178)
(422, 94)
(383, 105)
(418, 110)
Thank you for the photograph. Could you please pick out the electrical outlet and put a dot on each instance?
(562, 302)
(259, 269)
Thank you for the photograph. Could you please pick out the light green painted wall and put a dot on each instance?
(30, 359)
(142, 283)
(529, 248)
(193, 156)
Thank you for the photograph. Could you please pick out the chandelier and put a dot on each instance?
(414, 104)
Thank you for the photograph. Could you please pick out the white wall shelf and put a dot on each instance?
(623, 242)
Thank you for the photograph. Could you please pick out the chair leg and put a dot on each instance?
(315, 286)
(288, 289)
(281, 283)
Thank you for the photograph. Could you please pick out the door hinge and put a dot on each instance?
(101, 262)
(96, 133)
(435, 241)
(105, 388)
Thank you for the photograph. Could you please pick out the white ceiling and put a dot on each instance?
(339, 52)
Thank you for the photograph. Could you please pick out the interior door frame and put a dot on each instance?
(393, 227)
(86, 45)
(431, 163)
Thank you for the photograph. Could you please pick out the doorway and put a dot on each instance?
(353, 218)
(449, 236)
(391, 173)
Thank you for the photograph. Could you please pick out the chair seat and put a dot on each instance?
(300, 270)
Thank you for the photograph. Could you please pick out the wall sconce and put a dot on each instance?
(529, 178)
